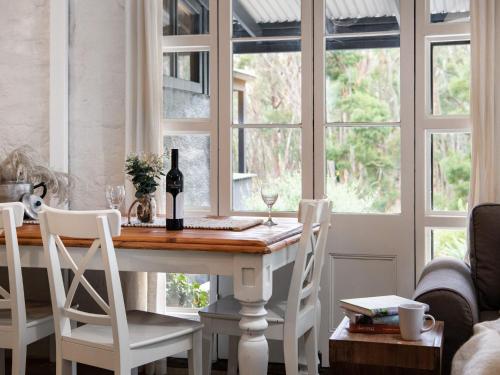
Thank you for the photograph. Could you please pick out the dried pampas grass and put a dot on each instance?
(24, 164)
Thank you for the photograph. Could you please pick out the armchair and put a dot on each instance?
(463, 295)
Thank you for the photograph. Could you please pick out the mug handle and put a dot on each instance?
(432, 324)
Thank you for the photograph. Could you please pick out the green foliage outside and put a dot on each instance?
(363, 162)
(451, 171)
(451, 79)
(182, 291)
(449, 242)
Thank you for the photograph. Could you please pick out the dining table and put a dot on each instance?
(250, 256)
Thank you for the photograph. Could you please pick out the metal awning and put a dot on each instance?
(279, 11)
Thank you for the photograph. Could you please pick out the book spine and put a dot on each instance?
(390, 320)
(373, 328)
(384, 312)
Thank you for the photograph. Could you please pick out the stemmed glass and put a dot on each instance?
(115, 195)
(269, 195)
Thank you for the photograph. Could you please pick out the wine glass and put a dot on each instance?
(269, 195)
(115, 195)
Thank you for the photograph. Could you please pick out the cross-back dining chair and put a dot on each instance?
(290, 320)
(116, 339)
(21, 322)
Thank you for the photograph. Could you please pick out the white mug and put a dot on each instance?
(411, 321)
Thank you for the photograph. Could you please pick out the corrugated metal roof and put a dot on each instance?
(273, 11)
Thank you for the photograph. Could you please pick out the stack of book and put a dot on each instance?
(374, 314)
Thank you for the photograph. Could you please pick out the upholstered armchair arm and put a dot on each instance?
(446, 286)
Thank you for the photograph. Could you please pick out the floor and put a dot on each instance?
(175, 367)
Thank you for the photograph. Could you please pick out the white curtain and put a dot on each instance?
(145, 291)
(485, 135)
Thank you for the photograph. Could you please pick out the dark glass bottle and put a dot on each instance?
(175, 195)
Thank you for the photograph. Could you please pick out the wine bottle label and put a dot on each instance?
(179, 206)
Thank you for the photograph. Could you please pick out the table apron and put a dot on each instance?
(182, 261)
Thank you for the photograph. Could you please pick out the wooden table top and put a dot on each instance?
(432, 338)
(257, 240)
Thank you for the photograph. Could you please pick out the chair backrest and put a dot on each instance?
(99, 227)
(306, 276)
(11, 217)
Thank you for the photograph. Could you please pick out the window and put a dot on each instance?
(443, 139)
(266, 116)
(185, 17)
(362, 130)
(450, 170)
(450, 63)
(448, 242)
(242, 97)
(190, 124)
(186, 88)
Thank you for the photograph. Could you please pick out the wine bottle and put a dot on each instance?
(175, 195)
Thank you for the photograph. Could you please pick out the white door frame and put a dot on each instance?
(370, 245)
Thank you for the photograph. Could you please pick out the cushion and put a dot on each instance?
(484, 239)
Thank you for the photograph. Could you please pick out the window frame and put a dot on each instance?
(225, 109)
(426, 123)
(207, 126)
(406, 120)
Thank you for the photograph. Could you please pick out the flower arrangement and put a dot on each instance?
(145, 170)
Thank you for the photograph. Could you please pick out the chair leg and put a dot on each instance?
(2, 361)
(290, 351)
(64, 367)
(232, 363)
(207, 351)
(195, 355)
(19, 359)
(311, 344)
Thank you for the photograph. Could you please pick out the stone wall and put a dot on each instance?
(97, 99)
(24, 75)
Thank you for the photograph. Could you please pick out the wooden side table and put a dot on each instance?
(385, 354)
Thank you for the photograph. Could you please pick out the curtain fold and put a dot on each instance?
(143, 103)
(485, 176)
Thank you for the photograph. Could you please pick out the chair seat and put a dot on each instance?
(144, 328)
(228, 308)
(36, 313)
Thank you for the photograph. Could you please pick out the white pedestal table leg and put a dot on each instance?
(252, 288)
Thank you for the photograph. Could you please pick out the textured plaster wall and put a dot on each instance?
(97, 99)
(24, 75)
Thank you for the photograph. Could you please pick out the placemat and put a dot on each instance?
(214, 222)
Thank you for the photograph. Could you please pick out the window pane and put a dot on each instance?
(450, 11)
(451, 79)
(362, 85)
(270, 82)
(355, 16)
(448, 242)
(186, 85)
(266, 155)
(194, 163)
(363, 169)
(187, 291)
(451, 169)
(266, 18)
(188, 17)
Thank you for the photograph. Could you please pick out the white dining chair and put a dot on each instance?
(21, 322)
(116, 340)
(290, 320)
